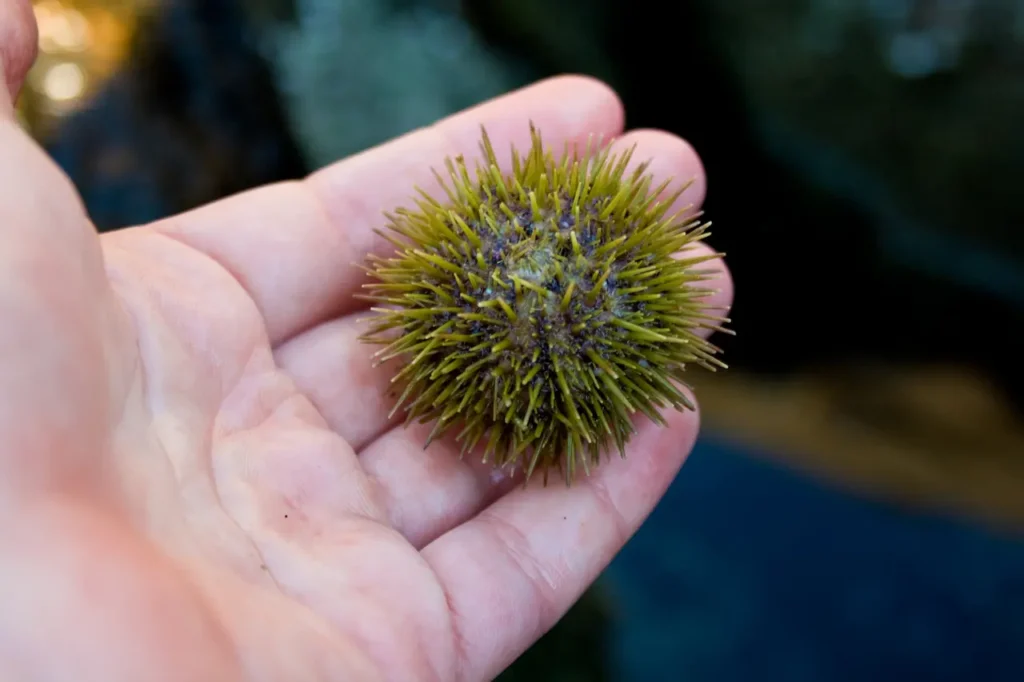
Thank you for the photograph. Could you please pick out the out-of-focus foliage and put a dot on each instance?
(354, 73)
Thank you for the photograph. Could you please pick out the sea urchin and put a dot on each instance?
(539, 310)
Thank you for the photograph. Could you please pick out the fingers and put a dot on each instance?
(336, 371)
(425, 492)
(511, 572)
(292, 245)
(430, 491)
(18, 45)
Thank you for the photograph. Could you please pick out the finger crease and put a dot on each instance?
(517, 547)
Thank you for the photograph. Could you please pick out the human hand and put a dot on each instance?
(198, 478)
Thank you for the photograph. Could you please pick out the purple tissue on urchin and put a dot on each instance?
(534, 313)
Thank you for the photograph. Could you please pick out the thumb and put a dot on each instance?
(57, 314)
(19, 41)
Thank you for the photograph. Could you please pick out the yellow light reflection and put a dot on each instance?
(81, 44)
(61, 29)
(64, 82)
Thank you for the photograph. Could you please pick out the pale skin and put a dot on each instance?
(198, 478)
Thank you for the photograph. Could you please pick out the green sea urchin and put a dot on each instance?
(539, 310)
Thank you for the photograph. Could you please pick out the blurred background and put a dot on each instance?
(855, 506)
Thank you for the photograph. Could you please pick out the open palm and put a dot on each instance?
(198, 476)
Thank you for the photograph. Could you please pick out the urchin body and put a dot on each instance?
(537, 311)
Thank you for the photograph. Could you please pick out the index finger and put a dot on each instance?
(292, 245)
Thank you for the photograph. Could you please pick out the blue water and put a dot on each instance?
(748, 572)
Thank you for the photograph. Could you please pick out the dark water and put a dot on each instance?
(748, 572)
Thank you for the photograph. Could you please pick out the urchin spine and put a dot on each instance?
(541, 309)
